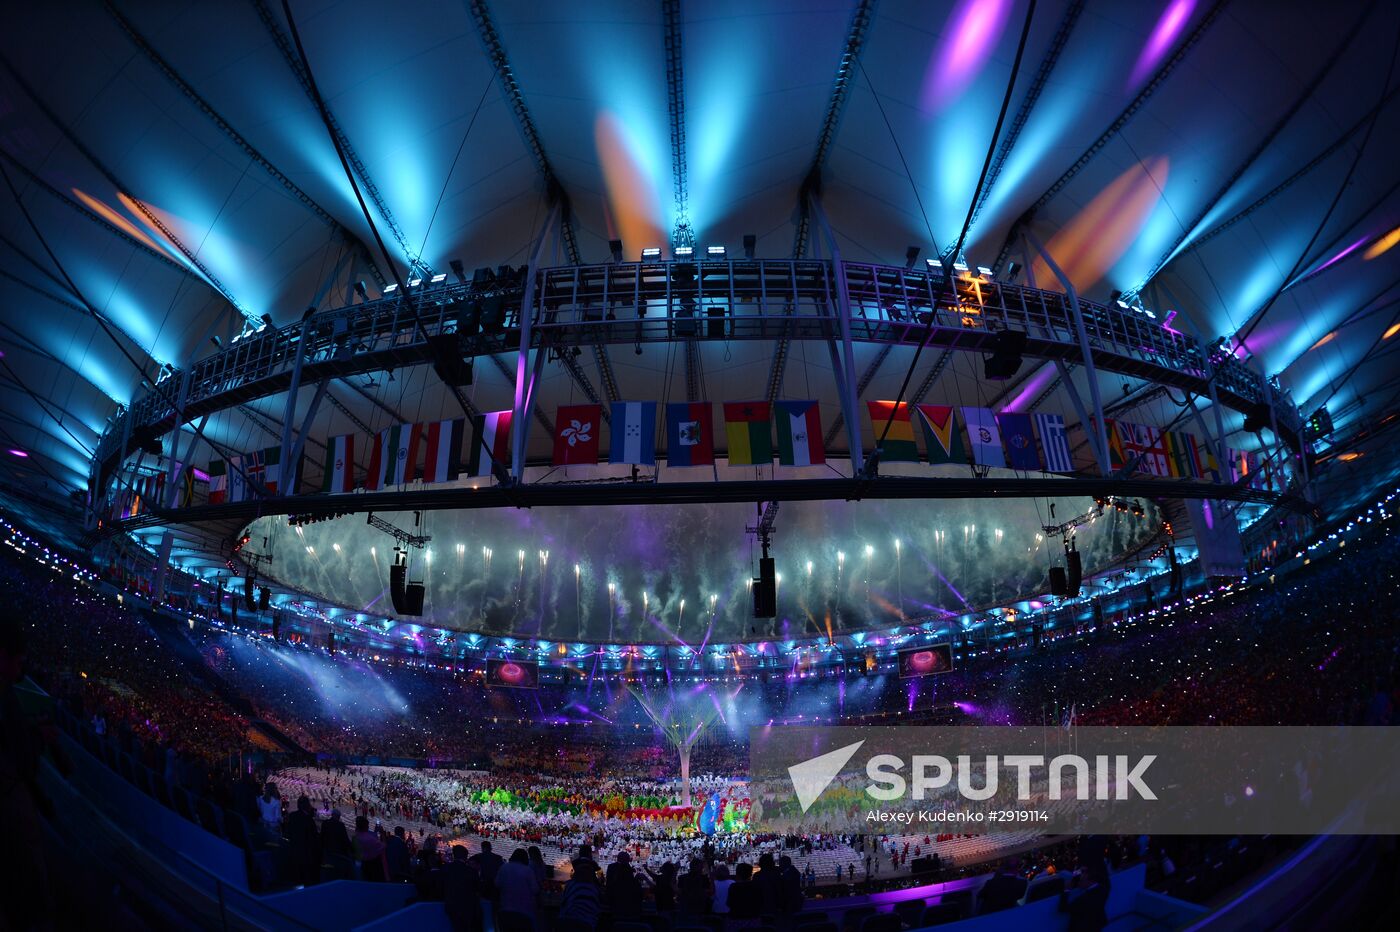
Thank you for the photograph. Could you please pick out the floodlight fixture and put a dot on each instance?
(438, 279)
(684, 252)
(651, 252)
(716, 252)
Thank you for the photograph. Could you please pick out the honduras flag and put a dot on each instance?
(633, 433)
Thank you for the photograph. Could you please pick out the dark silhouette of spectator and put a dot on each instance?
(744, 898)
(694, 890)
(769, 887)
(581, 904)
(487, 863)
(789, 887)
(396, 855)
(664, 887)
(461, 891)
(1002, 890)
(334, 838)
(303, 844)
(369, 851)
(543, 872)
(517, 889)
(624, 890)
(1086, 903)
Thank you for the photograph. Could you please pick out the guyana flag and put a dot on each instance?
(899, 446)
(747, 430)
(941, 434)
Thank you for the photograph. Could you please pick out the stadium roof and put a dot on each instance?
(1232, 162)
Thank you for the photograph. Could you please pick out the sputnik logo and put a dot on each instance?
(811, 777)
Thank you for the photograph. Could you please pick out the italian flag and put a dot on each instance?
(746, 429)
(218, 482)
(899, 445)
(393, 459)
(800, 434)
(340, 465)
(443, 461)
(490, 442)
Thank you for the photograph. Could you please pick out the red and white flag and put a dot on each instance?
(490, 442)
(576, 434)
(443, 461)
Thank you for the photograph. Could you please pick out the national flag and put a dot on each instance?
(1153, 450)
(1210, 466)
(746, 428)
(1184, 461)
(941, 434)
(393, 459)
(1019, 436)
(238, 478)
(1055, 442)
(1117, 454)
(490, 442)
(984, 436)
(218, 482)
(800, 434)
(442, 458)
(184, 485)
(633, 433)
(898, 445)
(690, 435)
(576, 433)
(339, 474)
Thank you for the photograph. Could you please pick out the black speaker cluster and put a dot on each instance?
(765, 590)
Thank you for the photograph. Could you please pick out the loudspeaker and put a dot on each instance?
(765, 590)
(1058, 585)
(1257, 418)
(493, 314)
(1074, 573)
(248, 593)
(148, 440)
(1036, 632)
(1007, 347)
(413, 595)
(448, 363)
(277, 626)
(398, 573)
(1098, 616)
(264, 598)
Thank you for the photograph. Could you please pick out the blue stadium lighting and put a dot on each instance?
(438, 279)
(716, 252)
(685, 252)
(934, 263)
(651, 252)
(414, 282)
(391, 288)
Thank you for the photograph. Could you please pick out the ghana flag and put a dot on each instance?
(746, 428)
(899, 446)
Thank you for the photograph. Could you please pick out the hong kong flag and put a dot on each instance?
(576, 434)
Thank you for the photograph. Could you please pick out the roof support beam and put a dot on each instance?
(174, 77)
(1023, 113)
(1114, 128)
(861, 18)
(1258, 150)
(289, 55)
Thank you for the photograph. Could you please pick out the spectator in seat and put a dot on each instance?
(1086, 903)
(270, 809)
(624, 890)
(1002, 890)
(303, 844)
(369, 851)
(396, 855)
(334, 838)
(743, 897)
(461, 891)
(487, 863)
(664, 887)
(695, 892)
(517, 888)
(722, 884)
(543, 872)
(582, 902)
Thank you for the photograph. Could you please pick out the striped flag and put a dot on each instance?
(690, 434)
(1055, 442)
(442, 461)
(984, 437)
(633, 433)
(340, 465)
(393, 460)
(800, 434)
(490, 442)
(184, 485)
(1020, 440)
(576, 434)
(941, 434)
(746, 428)
(899, 446)
(218, 482)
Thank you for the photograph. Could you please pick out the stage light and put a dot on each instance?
(809, 567)
(335, 547)
(20, 453)
(716, 252)
(684, 252)
(438, 279)
(1392, 331)
(934, 263)
(414, 282)
(984, 271)
(959, 265)
(651, 252)
(389, 289)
